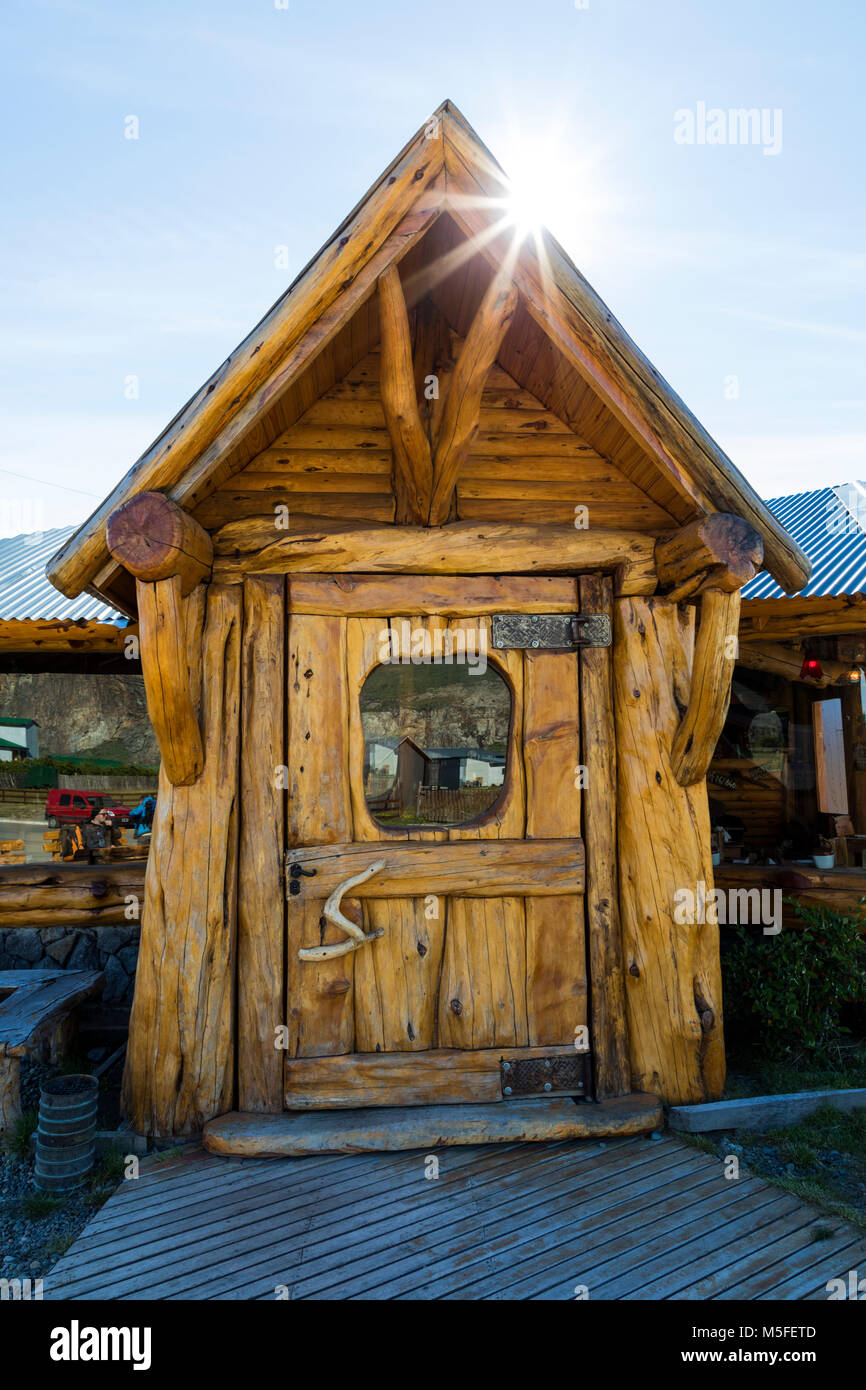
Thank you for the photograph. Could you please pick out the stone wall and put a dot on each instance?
(113, 950)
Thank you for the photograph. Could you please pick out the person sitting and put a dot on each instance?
(78, 843)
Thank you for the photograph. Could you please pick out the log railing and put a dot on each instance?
(71, 895)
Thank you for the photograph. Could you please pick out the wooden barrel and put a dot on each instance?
(66, 1134)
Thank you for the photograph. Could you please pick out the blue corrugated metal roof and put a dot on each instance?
(831, 537)
(25, 590)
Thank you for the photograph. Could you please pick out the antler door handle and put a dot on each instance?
(331, 912)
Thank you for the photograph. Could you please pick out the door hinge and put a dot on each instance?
(550, 631)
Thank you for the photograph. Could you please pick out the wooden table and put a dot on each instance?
(34, 1007)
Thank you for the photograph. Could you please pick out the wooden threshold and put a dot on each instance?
(298, 1134)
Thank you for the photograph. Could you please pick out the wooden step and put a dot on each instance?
(295, 1134)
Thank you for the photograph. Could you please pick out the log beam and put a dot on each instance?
(787, 620)
(462, 409)
(169, 644)
(719, 551)
(155, 539)
(461, 547)
(68, 895)
(788, 662)
(412, 465)
(715, 654)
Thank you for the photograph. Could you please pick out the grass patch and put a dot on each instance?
(57, 1246)
(821, 1159)
(39, 1204)
(753, 1075)
(17, 1141)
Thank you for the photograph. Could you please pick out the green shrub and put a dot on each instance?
(785, 994)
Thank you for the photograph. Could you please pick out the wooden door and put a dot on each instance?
(480, 958)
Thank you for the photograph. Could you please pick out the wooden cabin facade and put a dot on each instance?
(442, 424)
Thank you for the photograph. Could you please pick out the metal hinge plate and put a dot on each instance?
(550, 631)
(566, 1075)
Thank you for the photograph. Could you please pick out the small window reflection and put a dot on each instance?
(435, 743)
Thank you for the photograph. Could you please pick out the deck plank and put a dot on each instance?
(629, 1217)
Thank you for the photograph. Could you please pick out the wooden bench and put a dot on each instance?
(35, 1009)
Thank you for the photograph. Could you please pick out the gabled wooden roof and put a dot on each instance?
(583, 365)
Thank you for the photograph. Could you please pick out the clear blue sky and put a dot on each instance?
(261, 126)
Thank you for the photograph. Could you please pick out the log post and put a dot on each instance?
(412, 466)
(672, 971)
(710, 694)
(462, 408)
(169, 554)
(165, 659)
(180, 1059)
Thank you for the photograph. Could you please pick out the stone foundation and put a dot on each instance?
(113, 950)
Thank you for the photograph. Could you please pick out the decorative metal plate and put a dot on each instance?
(545, 1076)
(550, 631)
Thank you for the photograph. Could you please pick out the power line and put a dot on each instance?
(43, 483)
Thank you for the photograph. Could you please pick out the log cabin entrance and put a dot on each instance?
(437, 935)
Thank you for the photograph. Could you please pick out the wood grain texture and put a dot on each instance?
(462, 408)
(165, 667)
(719, 551)
(57, 895)
(380, 596)
(444, 1076)
(180, 1058)
(462, 546)
(261, 895)
(710, 693)
(154, 538)
(412, 470)
(673, 979)
(428, 1127)
(463, 869)
(609, 1033)
(320, 995)
(556, 984)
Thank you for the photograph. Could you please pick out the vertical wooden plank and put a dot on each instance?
(320, 1004)
(179, 1065)
(608, 1036)
(396, 977)
(556, 987)
(261, 893)
(482, 995)
(672, 970)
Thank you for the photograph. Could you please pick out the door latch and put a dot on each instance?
(550, 631)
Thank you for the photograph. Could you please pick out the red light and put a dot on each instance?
(811, 669)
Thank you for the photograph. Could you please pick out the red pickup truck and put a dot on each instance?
(67, 807)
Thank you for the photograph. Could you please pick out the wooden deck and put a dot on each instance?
(628, 1218)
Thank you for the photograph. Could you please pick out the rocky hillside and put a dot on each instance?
(98, 716)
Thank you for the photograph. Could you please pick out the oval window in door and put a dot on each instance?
(435, 743)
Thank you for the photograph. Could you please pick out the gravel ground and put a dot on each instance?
(31, 1241)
